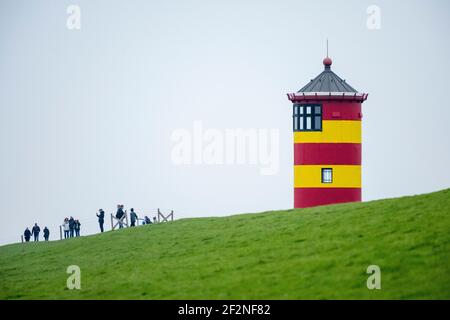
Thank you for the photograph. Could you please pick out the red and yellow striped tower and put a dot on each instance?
(327, 141)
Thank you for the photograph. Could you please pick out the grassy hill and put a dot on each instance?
(295, 254)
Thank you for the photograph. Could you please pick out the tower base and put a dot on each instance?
(313, 197)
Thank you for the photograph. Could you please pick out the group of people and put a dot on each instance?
(71, 228)
(120, 214)
(35, 233)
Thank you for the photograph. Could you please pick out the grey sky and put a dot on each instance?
(86, 116)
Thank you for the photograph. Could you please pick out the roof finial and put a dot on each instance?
(327, 61)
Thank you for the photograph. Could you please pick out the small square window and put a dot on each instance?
(327, 175)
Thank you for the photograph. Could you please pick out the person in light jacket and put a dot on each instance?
(66, 227)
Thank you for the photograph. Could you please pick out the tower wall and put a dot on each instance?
(336, 147)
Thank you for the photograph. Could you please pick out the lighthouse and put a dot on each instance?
(327, 141)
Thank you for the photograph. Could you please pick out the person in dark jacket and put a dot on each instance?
(101, 218)
(71, 226)
(147, 220)
(119, 214)
(133, 217)
(27, 235)
(46, 233)
(77, 228)
(36, 231)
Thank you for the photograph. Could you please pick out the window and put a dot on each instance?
(307, 117)
(327, 175)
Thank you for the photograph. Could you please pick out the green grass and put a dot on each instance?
(317, 253)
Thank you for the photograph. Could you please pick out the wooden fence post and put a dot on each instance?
(60, 233)
(21, 237)
(120, 222)
(165, 218)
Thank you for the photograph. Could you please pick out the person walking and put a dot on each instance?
(27, 234)
(101, 218)
(46, 233)
(35, 231)
(133, 217)
(77, 228)
(71, 226)
(66, 227)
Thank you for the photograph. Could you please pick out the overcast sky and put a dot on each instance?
(87, 116)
